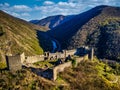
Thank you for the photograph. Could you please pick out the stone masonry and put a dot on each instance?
(14, 63)
(61, 67)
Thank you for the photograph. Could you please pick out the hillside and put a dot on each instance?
(52, 21)
(93, 75)
(17, 36)
(88, 75)
(98, 27)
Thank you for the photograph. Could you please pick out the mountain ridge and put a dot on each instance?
(75, 22)
(81, 30)
(52, 21)
(17, 36)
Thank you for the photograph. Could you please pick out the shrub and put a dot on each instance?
(1, 31)
(2, 65)
(74, 62)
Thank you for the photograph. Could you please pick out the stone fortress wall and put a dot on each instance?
(33, 59)
(61, 67)
(15, 62)
(58, 55)
(70, 52)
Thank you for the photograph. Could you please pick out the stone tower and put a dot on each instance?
(14, 63)
(91, 53)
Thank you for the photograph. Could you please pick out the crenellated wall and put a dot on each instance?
(57, 55)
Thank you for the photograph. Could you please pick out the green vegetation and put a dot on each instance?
(2, 65)
(1, 31)
(109, 20)
(116, 67)
(17, 36)
(44, 64)
(91, 75)
(74, 63)
(24, 80)
(102, 32)
(88, 75)
(110, 39)
(105, 39)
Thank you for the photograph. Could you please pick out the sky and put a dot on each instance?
(38, 9)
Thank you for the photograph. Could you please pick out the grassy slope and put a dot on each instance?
(98, 27)
(88, 75)
(93, 75)
(17, 36)
(24, 80)
(104, 37)
(102, 32)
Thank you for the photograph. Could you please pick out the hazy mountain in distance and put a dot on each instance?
(52, 21)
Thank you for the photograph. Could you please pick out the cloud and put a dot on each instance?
(65, 8)
(71, 6)
(15, 8)
(4, 5)
(12, 13)
(25, 14)
(48, 3)
(15, 14)
(21, 8)
(50, 7)
(20, 11)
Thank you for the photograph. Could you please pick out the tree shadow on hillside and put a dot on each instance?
(65, 31)
(44, 41)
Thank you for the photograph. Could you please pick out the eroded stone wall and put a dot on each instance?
(14, 62)
(61, 67)
(33, 59)
(63, 54)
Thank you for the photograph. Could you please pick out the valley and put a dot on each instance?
(94, 28)
(72, 52)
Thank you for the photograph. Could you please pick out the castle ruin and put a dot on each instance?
(15, 62)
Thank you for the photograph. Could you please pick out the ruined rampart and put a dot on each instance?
(61, 67)
(70, 52)
(14, 62)
(33, 59)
